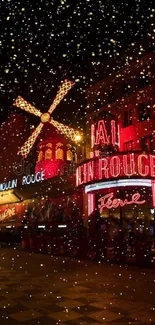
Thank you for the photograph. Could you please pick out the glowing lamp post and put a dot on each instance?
(78, 138)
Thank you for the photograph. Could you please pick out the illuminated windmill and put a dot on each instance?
(46, 118)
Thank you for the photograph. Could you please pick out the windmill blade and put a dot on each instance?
(63, 90)
(23, 104)
(25, 149)
(66, 130)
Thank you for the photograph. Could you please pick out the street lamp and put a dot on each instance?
(78, 138)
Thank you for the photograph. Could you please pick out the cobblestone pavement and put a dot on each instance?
(40, 289)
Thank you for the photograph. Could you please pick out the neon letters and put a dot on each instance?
(127, 165)
(31, 179)
(7, 214)
(26, 180)
(108, 201)
(104, 133)
(8, 185)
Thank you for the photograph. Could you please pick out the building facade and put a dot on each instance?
(115, 184)
(119, 174)
(40, 190)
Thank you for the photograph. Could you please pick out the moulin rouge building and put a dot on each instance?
(37, 180)
(118, 176)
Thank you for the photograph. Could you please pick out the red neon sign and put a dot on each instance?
(108, 201)
(104, 133)
(127, 165)
(143, 165)
(152, 165)
(101, 134)
(91, 203)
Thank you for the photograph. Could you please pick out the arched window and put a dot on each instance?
(49, 145)
(48, 154)
(59, 154)
(69, 155)
(40, 156)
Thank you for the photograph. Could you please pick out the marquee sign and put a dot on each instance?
(26, 180)
(7, 214)
(108, 201)
(113, 167)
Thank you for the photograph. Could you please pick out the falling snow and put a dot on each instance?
(45, 42)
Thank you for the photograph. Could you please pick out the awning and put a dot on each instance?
(7, 197)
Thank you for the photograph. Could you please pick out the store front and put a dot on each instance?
(32, 204)
(123, 208)
(119, 187)
(129, 201)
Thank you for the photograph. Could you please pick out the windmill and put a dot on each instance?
(46, 118)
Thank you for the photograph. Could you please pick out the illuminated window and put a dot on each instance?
(49, 145)
(59, 144)
(69, 155)
(40, 156)
(59, 154)
(48, 154)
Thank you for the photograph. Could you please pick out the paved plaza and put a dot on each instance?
(40, 289)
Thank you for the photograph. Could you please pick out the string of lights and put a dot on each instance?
(66, 130)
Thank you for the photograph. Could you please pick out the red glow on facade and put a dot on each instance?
(116, 166)
(108, 201)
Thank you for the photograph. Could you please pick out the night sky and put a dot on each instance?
(43, 42)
